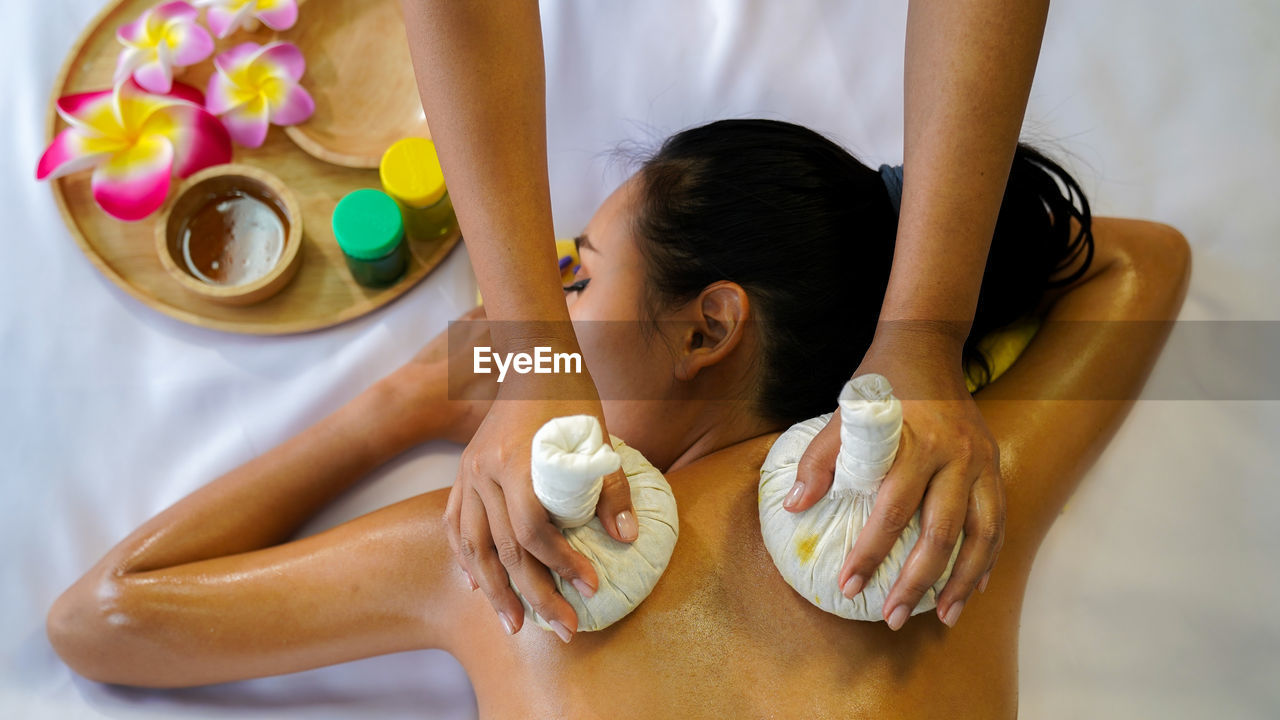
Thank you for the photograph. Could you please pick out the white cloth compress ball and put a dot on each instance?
(809, 548)
(570, 460)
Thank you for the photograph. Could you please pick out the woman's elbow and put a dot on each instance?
(1160, 264)
(83, 626)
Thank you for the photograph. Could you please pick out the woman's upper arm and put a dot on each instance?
(1058, 406)
(378, 584)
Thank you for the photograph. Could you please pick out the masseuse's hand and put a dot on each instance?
(497, 526)
(947, 456)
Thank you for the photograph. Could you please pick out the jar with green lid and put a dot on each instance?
(370, 232)
(410, 173)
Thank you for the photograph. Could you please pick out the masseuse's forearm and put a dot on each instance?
(266, 500)
(969, 67)
(481, 78)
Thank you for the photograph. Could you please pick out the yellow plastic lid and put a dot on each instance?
(410, 172)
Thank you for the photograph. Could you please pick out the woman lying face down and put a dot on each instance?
(726, 291)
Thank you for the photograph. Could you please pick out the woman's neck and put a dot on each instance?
(721, 426)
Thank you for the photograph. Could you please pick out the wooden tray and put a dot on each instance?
(322, 294)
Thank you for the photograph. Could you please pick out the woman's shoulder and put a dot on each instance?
(741, 458)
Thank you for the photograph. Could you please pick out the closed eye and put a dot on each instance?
(578, 286)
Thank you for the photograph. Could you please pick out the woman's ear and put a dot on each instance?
(717, 322)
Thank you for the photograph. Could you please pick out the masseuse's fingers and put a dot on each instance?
(452, 521)
(983, 538)
(895, 505)
(614, 508)
(817, 468)
(477, 553)
(533, 580)
(541, 538)
(941, 520)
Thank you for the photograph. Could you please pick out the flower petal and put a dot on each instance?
(277, 14)
(130, 59)
(230, 60)
(219, 94)
(199, 139)
(220, 20)
(183, 91)
(223, 21)
(68, 153)
(88, 110)
(132, 184)
(297, 107)
(156, 75)
(191, 44)
(175, 10)
(134, 107)
(284, 58)
(247, 123)
(133, 33)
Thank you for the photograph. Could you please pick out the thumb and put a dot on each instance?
(614, 509)
(817, 468)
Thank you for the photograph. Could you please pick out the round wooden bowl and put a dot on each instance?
(195, 192)
(361, 77)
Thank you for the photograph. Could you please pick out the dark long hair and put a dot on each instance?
(808, 232)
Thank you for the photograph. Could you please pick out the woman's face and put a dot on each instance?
(628, 358)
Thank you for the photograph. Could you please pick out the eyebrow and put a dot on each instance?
(582, 242)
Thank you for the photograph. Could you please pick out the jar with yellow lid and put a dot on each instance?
(411, 175)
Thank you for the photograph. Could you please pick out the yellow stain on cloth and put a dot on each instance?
(806, 547)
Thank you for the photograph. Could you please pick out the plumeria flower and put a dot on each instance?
(226, 16)
(254, 86)
(161, 39)
(135, 141)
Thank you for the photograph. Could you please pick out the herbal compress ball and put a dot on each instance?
(809, 548)
(570, 459)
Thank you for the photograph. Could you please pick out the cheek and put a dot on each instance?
(625, 363)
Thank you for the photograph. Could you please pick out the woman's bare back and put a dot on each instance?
(722, 635)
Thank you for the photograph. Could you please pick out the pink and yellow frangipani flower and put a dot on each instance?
(161, 39)
(226, 16)
(257, 85)
(135, 141)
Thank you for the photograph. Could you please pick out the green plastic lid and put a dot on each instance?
(367, 224)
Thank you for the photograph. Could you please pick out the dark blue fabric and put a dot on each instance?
(892, 176)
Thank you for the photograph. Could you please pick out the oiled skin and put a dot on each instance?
(206, 592)
(724, 636)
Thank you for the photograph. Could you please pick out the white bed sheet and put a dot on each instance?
(1155, 593)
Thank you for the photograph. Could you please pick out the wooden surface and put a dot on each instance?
(361, 77)
(321, 295)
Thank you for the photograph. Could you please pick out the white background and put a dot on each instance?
(1155, 593)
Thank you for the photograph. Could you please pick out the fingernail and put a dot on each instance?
(627, 526)
(561, 630)
(793, 496)
(583, 588)
(982, 586)
(953, 614)
(897, 617)
(470, 580)
(506, 623)
(853, 586)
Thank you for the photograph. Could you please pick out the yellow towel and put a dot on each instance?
(1001, 347)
